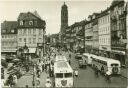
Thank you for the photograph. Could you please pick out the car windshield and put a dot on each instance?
(59, 75)
(67, 75)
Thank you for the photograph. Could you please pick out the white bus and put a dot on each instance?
(63, 74)
(60, 58)
(87, 58)
(106, 64)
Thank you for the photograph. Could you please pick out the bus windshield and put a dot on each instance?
(114, 64)
(59, 75)
(67, 75)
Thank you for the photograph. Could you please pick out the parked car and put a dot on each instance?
(82, 63)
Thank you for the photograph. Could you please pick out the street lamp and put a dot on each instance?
(26, 51)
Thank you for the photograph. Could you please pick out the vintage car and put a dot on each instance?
(82, 63)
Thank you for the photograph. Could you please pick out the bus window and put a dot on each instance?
(59, 75)
(67, 75)
(114, 64)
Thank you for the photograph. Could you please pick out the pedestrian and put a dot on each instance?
(42, 63)
(69, 62)
(37, 82)
(76, 72)
(48, 84)
(38, 72)
(108, 75)
(15, 79)
(96, 71)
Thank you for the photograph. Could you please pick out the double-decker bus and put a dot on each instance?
(63, 73)
(106, 64)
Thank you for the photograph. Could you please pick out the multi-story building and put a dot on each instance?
(104, 32)
(31, 31)
(95, 33)
(126, 8)
(68, 38)
(9, 37)
(118, 30)
(88, 35)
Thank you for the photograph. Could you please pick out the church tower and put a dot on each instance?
(64, 19)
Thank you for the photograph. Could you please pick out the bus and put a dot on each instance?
(60, 58)
(63, 74)
(106, 65)
(87, 58)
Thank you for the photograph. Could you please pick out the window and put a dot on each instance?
(34, 31)
(2, 36)
(12, 31)
(3, 31)
(36, 23)
(21, 22)
(40, 31)
(20, 39)
(24, 31)
(67, 75)
(30, 22)
(59, 75)
(30, 40)
(34, 40)
(24, 39)
(29, 31)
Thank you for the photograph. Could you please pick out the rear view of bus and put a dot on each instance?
(114, 66)
(63, 74)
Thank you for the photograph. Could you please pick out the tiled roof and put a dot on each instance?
(29, 16)
(7, 27)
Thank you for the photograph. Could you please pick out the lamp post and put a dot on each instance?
(26, 50)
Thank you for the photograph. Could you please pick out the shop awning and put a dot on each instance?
(32, 50)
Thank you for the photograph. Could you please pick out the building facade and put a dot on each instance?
(118, 30)
(88, 35)
(64, 20)
(9, 37)
(95, 33)
(31, 31)
(104, 32)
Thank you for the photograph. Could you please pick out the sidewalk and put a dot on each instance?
(27, 80)
(124, 72)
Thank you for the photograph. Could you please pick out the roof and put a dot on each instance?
(62, 67)
(9, 27)
(60, 58)
(116, 2)
(29, 16)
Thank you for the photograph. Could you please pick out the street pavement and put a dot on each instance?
(87, 77)
(28, 78)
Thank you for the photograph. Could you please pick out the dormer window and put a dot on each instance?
(30, 22)
(21, 22)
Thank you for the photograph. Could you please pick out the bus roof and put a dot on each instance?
(106, 59)
(60, 58)
(62, 67)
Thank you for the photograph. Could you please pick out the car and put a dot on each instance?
(78, 56)
(82, 63)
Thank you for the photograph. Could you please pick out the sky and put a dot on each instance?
(50, 11)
